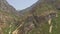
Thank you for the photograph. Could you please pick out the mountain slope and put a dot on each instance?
(5, 6)
(9, 18)
(8, 21)
(44, 17)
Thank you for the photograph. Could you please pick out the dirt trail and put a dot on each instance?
(50, 29)
(49, 22)
(16, 31)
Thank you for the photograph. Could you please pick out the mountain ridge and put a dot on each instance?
(39, 18)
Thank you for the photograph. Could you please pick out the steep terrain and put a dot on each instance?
(43, 17)
(7, 22)
(5, 6)
(9, 18)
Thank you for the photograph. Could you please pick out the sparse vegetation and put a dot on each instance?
(33, 21)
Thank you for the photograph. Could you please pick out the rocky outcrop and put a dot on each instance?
(41, 12)
(5, 6)
(35, 19)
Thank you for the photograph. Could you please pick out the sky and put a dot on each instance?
(21, 4)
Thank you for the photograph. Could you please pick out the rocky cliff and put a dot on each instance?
(5, 6)
(43, 17)
(9, 18)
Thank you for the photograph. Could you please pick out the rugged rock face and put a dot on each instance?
(39, 15)
(42, 11)
(4, 6)
(40, 18)
(9, 18)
